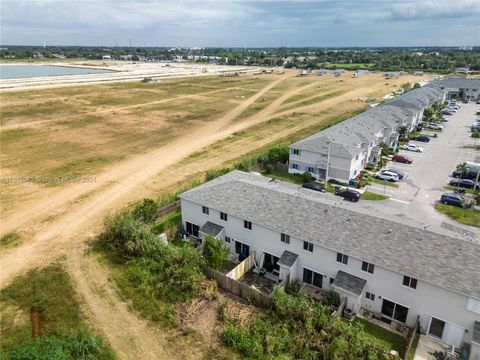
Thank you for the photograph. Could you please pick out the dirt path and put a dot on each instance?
(78, 211)
(116, 183)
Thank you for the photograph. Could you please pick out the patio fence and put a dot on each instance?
(238, 288)
(168, 209)
(411, 336)
(238, 271)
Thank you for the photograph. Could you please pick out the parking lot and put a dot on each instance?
(430, 172)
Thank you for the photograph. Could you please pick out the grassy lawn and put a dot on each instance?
(367, 195)
(468, 191)
(384, 338)
(413, 349)
(381, 182)
(467, 217)
(64, 329)
(281, 175)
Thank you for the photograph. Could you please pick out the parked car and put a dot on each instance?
(463, 183)
(435, 127)
(402, 159)
(314, 186)
(348, 194)
(422, 138)
(399, 173)
(475, 126)
(413, 147)
(467, 174)
(447, 112)
(454, 199)
(386, 175)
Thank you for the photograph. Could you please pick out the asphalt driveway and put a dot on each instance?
(430, 172)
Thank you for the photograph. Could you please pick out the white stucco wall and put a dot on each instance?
(426, 300)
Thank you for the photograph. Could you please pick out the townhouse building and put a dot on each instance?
(397, 270)
(343, 150)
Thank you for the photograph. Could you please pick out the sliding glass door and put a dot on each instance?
(393, 311)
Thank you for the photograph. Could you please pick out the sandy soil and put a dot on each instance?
(120, 71)
(61, 222)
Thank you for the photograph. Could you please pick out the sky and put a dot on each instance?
(224, 23)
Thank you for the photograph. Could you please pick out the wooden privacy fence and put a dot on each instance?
(238, 288)
(168, 209)
(411, 336)
(238, 271)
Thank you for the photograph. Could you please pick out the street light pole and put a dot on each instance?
(328, 163)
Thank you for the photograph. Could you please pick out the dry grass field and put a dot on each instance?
(139, 140)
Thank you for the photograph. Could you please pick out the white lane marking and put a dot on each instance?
(400, 201)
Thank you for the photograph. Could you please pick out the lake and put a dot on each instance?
(33, 71)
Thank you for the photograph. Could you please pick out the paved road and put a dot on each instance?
(431, 170)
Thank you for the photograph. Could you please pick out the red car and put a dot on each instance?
(402, 159)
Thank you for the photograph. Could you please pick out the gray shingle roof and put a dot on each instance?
(287, 259)
(210, 228)
(435, 258)
(349, 282)
(346, 138)
(457, 83)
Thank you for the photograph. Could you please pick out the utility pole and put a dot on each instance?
(328, 164)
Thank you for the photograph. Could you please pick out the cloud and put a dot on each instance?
(235, 22)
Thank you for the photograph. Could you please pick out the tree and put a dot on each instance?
(416, 86)
(214, 252)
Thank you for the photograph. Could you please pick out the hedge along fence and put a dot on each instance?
(238, 288)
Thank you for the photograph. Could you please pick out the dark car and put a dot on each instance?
(468, 174)
(402, 159)
(454, 199)
(313, 186)
(422, 138)
(400, 174)
(348, 194)
(463, 183)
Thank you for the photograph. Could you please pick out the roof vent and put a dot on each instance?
(349, 218)
(389, 231)
(325, 210)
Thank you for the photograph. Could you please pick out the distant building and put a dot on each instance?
(464, 70)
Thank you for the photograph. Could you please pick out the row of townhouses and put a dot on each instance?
(342, 151)
(388, 266)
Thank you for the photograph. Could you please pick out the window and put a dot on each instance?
(331, 281)
(247, 224)
(342, 258)
(223, 216)
(410, 282)
(311, 169)
(227, 239)
(312, 278)
(370, 296)
(205, 210)
(356, 158)
(295, 166)
(394, 311)
(296, 152)
(308, 246)
(367, 267)
(285, 238)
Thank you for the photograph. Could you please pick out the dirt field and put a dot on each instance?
(138, 140)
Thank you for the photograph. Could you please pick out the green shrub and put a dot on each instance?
(146, 210)
(215, 252)
(332, 298)
(268, 168)
(212, 174)
(127, 235)
(307, 177)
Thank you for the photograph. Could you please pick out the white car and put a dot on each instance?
(413, 147)
(435, 127)
(386, 175)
